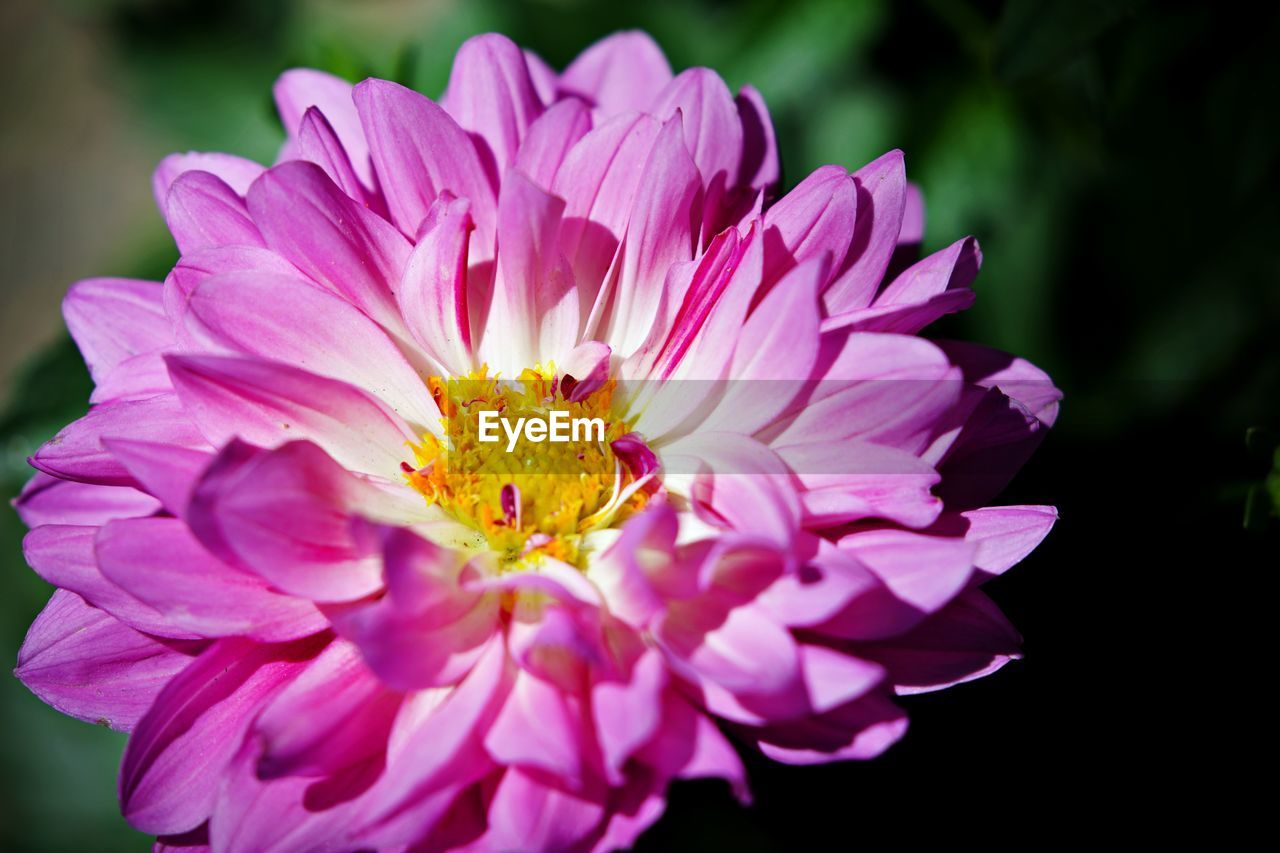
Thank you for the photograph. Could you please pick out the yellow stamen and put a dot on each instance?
(555, 493)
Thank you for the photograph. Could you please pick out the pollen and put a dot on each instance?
(528, 499)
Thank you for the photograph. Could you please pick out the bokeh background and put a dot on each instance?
(1118, 163)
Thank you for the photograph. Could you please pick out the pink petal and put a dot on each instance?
(327, 235)
(203, 213)
(428, 630)
(333, 715)
(534, 316)
(660, 233)
(921, 574)
(882, 187)
(174, 760)
(441, 753)
(167, 471)
(529, 814)
(781, 347)
(598, 181)
(433, 292)
(419, 152)
(627, 712)
(196, 267)
(968, 639)
(159, 560)
(64, 556)
(237, 172)
(624, 71)
(268, 404)
(760, 168)
(318, 142)
(1004, 535)
(814, 219)
(712, 127)
(300, 89)
(539, 727)
(76, 453)
(286, 516)
(287, 319)
(89, 666)
(550, 138)
(492, 96)
(852, 480)
(114, 319)
(48, 500)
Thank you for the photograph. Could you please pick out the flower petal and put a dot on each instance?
(624, 71)
(327, 235)
(491, 95)
(89, 666)
(419, 152)
(114, 319)
(160, 561)
(203, 212)
(174, 760)
(268, 404)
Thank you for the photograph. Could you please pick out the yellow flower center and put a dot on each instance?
(529, 493)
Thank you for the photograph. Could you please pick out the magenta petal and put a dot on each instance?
(433, 292)
(333, 715)
(777, 352)
(859, 730)
(159, 560)
(598, 181)
(237, 172)
(419, 152)
(760, 168)
(440, 751)
(627, 712)
(90, 666)
(492, 95)
(968, 639)
(196, 267)
(300, 89)
(538, 727)
(1004, 535)
(814, 219)
(203, 212)
(330, 237)
(660, 233)
(921, 574)
(882, 188)
(534, 316)
(550, 139)
(49, 500)
(64, 556)
(167, 471)
(712, 127)
(286, 516)
(287, 319)
(953, 268)
(77, 453)
(530, 814)
(624, 71)
(427, 630)
(174, 760)
(269, 404)
(114, 319)
(588, 368)
(318, 142)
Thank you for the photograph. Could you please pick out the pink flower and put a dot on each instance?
(332, 618)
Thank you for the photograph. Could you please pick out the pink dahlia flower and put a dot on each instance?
(332, 617)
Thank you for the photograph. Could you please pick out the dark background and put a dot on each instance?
(1118, 162)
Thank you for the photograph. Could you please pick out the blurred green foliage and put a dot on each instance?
(1114, 158)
